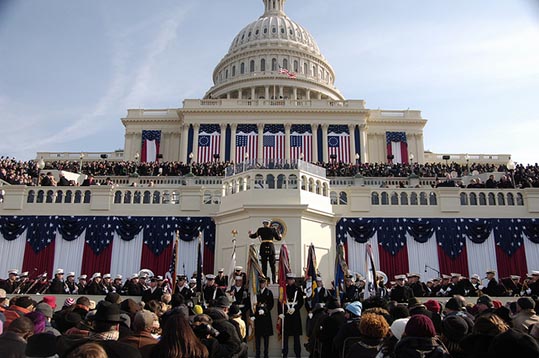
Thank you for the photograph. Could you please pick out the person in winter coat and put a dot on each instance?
(329, 328)
(373, 328)
(387, 349)
(420, 341)
(485, 328)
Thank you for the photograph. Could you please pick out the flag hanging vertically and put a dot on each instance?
(301, 142)
(232, 263)
(339, 143)
(273, 143)
(371, 285)
(254, 272)
(150, 146)
(341, 270)
(209, 142)
(173, 269)
(311, 273)
(397, 146)
(246, 143)
(284, 268)
(199, 267)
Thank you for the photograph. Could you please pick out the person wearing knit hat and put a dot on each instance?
(454, 329)
(41, 345)
(433, 306)
(48, 313)
(525, 316)
(484, 304)
(50, 300)
(373, 329)
(420, 335)
(70, 301)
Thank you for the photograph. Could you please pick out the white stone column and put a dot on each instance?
(222, 146)
(228, 95)
(183, 142)
(420, 148)
(266, 92)
(325, 142)
(295, 93)
(260, 152)
(307, 94)
(233, 127)
(240, 93)
(196, 127)
(351, 129)
(314, 154)
(253, 93)
(287, 127)
(281, 92)
(363, 144)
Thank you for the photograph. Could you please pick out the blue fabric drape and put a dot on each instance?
(420, 229)
(41, 231)
(508, 234)
(71, 227)
(11, 227)
(99, 232)
(477, 230)
(531, 230)
(128, 227)
(449, 236)
(392, 234)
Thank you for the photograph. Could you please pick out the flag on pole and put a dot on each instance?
(311, 273)
(341, 270)
(254, 272)
(174, 264)
(284, 71)
(232, 265)
(284, 268)
(199, 266)
(371, 286)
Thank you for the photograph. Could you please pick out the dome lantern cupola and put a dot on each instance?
(252, 67)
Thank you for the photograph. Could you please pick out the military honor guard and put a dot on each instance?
(290, 315)
(221, 279)
(262, 318)
(154, 292)
(267, 234)
(183, 288)
(210, 291)
(351, 291)
(493, 288)
(416, 285)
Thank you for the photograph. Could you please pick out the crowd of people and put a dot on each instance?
(403, 318)
(27, 172)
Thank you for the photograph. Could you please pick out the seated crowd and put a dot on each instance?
(219, 321)
(27, 173)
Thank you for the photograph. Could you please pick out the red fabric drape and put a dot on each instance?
(92, 263)
(143, 152)
(208, 260)
(511, 265)
(389, 152)
(456, 265)
(393, 265)
(404, 152)
(42, 261)
(158, 264)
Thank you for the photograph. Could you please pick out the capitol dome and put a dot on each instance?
(274, 58)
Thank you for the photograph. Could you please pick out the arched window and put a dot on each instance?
(69, 197)
(318, 187)
(270, 179)
(314, 71)
(463, 199)
(385, 198)
(423, 198)
(59, 196)
(293, 181)
(50, 196)
(413, 199)
(226, 74)
(78, 197)
(520, 199)
(473, 199)
(285, 63)
(333, 198)
(491, 199)
(281, 181)
(296, 66)
(303, 182)
(343, 198)
(156, 197)
(252, 66)
(31, 196)
(274, 64)
(375, 199)
(136, 197)
(433, 200)
(147, 198)
(311, 185)
(510, 199)
(127, 197)
(206, 199)
(259, 181)
(501, 199)
(87, 196)
(242, 68)
(404, 198)
(325, 189)
(394, 198)
(233, 70)
(262, 65)
(305, 69)
(118, 197)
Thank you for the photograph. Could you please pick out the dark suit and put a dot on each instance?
(267, 249)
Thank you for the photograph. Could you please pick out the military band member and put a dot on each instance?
(436, 286)
(513, 285)
(267, 250)
(476, 284)
(401, 293)
(351, 291)
(107, 283)
(154, 292)
(532, 287)
(183, 288)
(132, 287)
(10, 283)
(290, 314)
(262, 317)
(95, 287)
(57, 284)
(211, 292)
(70, 284)
(221, 279)
(23, 284)
(82, 284)
(456, 286)
(238, 271)
(117, 284)
(444, 285)
(239, 293)
(416, 285)
(493, 288)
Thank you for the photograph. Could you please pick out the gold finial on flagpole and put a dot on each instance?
(234, 233)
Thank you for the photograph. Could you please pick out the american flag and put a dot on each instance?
(150, 145)
(246, 142)
(301, 142)
(273, 143)
(397, 146)
(209, 142)
(284, 71)
(339, 143)
(174, 265)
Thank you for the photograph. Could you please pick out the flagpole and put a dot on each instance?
(176, 242)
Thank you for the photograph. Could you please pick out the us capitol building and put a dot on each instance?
(273, 110)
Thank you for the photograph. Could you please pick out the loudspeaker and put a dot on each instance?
(104, 156)
(446, 157)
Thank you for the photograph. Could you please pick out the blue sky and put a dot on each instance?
(70, 69)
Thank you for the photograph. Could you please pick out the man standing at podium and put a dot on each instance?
(267, 251)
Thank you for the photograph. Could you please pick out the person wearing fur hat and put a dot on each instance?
(373, 328)
(419, 340)
(525, 316)
(330, 326)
